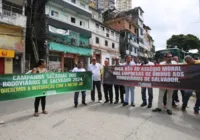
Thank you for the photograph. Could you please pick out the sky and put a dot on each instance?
(168, 17)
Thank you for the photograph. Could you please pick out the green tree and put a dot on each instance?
(184, 42)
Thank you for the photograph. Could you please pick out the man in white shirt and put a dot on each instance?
(168, 61)
(96, 68)
(129, 88)
(79, 69)
(146, 62)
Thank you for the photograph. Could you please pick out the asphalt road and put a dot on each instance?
(96, 121)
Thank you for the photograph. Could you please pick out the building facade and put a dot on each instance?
(123, 5)
(12, 36)
(104, 40)
(66, 33)
(102, 5)
(128, 36)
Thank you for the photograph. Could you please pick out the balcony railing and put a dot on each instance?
(12, 18)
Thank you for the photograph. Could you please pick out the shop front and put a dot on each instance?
(11, 50)
(67, 57)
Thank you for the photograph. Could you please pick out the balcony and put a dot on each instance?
(135, 44)
(133, 54)
(12, 18)
(67, 4)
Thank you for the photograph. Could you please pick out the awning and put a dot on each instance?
(70, 49)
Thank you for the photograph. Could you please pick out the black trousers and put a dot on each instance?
(96, 84)
(175, 96)
(108, 91)
(122, 91)
(37, 103)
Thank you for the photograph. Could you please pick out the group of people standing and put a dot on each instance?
(167, 98)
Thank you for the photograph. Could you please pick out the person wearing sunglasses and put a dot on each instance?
(168, 61)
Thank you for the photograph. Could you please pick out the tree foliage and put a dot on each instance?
(184, 42)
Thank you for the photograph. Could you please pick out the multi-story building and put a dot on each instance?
(102, 4)
(12, 36)
(148, 42)
(62, 32)
(128, 36)
(123, 5)
(104, 40)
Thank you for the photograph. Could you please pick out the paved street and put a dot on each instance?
(95, 122)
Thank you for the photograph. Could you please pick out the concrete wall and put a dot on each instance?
(65, 16)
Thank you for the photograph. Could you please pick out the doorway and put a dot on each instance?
(17, 64)
(2, 66)
(68, 64)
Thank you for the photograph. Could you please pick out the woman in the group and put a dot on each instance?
(41, 68)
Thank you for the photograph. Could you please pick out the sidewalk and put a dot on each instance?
(101, 122)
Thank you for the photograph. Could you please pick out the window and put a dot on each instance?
(112, 33)
(106, 43)
(107, 30)
(102, 28)
(107, 35)
(74, 1)
(54, 13)
(129, 26)
(73, 20)
(140, 13)
(97, 26)
(135, 51)
(82, 5)
(82, 23)
(113, 45)
(141, 31)
(97, 40)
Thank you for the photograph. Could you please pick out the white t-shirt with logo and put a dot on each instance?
(96, 71)
(78, 69)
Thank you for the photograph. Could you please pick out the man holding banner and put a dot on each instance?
(188, 93)
(150, 90)
(79, 69)
(168, 61)
(129, 88)
(95, 68)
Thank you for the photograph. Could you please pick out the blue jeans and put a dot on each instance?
(76, 97)
(131, 89)
(150, 93)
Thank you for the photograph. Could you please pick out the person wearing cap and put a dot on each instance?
(79, 68)
(95, 68)
(108, 91)
(118, 88)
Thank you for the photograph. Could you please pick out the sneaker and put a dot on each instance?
(169, 112)
(84, 103)
(122, 102)
(125, 104)
(93, 101)
(1, 122)
(76, 105)
(111, 102)
(132, 104)
(106, 102)
(143, 104)
(156, 110)
(100, 101)
(196, 113)
(149, 106)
